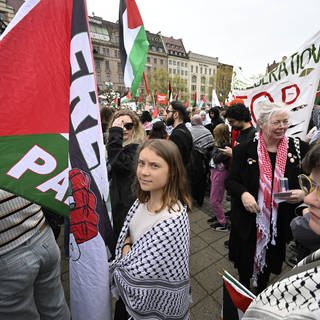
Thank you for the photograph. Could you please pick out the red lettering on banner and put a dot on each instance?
(257, 96)
(284, 94)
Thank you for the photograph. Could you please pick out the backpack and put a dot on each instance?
(197, 165)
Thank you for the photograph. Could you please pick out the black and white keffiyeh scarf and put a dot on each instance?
(153, 278)
(295, 296)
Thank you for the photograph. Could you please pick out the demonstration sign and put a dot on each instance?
(293, 82)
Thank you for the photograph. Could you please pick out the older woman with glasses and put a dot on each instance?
(260, 222)
(297, 294)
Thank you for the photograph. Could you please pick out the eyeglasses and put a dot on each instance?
(308, 185)
(278, 123)
(128, 126)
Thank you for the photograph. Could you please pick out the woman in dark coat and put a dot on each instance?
(125, 134)
(260, 227)
(214, 114)
(124, 137)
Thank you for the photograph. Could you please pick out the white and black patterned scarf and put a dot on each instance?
(295, 296)
(153, 278)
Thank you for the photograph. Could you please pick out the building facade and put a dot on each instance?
(202, 75)
(8, 9)
(105, 47)
(187, 72)
(157, 57)
(178, 65)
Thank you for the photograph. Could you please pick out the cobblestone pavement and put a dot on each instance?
(208, 258)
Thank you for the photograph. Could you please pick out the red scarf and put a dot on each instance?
(268, 207)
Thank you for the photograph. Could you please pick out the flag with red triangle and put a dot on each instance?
(236, 298)
(133, 44)
(51, 144)
(169, 93)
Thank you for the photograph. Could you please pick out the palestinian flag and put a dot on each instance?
(236, 298)
(169, 93)
(51, 145)
(133, 44)
(195, 103)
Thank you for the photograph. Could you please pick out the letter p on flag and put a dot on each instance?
(36, 160)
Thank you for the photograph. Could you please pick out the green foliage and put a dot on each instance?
(158, 81)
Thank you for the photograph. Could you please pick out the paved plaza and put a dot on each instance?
(208, 259)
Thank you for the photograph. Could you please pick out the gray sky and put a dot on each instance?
(246, 33)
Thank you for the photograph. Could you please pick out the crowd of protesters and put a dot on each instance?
(220, 149)
(161, 164)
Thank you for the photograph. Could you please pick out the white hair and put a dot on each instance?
(267, 109)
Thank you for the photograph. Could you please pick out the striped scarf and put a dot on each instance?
(268, 207)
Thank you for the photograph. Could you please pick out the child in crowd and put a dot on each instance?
(219, 169)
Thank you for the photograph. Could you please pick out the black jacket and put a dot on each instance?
(122, 162)
(182, 137)
(244, 176)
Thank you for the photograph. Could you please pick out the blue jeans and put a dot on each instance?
(30, 285)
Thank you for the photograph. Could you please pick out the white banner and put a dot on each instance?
(294, 82)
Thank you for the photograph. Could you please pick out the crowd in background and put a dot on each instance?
(221, 150)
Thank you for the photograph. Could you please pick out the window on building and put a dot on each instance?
(174, 62)
(174, 71)
(95, 49)
(203, 80)
(203, 88)
(178, 63)
(148, 69)
(191, 68)
(107, 66)
(194, 79)
(153, 48)
(148, 59)
(161, 61)
(196, 69)
(155, 60)
(170, 62)
(98, 77)
(201, 70)
(186, 73)
(97, 65)
(108, 76)
(205, 70)
(170, 70)
(119, 68)
(209, 71)
(193, 87)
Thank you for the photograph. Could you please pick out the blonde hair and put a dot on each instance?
(138, 132)
(177, 187)
(221, 134)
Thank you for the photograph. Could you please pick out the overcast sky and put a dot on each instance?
(246, 33)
